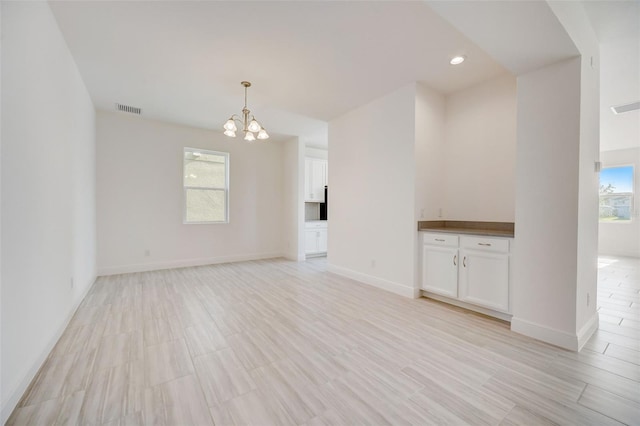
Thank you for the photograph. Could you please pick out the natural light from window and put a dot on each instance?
(616, 194)
(206, 186)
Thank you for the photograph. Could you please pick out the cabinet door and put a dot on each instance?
(318, 179)
(484, 279)
(311, 241)
(322, 240)
(440, 270)
(308, 180)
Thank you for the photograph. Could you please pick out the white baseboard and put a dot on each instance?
(14, 396)
(623, 253)
(154, 266)
(549, 335)
(296, 257)
(587, 330)
(312, 255)
(383, 284)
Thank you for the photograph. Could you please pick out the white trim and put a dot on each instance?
(16, 394)
(170, 264)
(315, 254)
(383, 284)
(622, 253)
(296, 257)
(490, 312)
(549, 335)
(587, 330)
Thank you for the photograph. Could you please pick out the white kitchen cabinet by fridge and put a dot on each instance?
(315, 179)
(316, 236)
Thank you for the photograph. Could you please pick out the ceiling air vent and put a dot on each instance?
(625, 108)
(129, 109)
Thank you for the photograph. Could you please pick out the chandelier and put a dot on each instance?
(250, 126)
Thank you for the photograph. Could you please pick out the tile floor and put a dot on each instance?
(279, 342)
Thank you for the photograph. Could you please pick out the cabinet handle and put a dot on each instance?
(464, 261)
(440, 239)
(454, 260)
(484, 244)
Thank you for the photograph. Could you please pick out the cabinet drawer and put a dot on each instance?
(498, 245)
(436, 239)
(315, 225)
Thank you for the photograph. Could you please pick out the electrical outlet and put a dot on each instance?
(373, 263)
(147, 252)
(588, 299)
(71, 283)
(440, 212)
(421, 213)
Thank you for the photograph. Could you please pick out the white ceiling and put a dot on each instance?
(525, 35)
(617, 25)
(521, 35)
(308, 61)
(614, 19)
(311, 61)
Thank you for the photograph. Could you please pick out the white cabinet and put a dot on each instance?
(322, 240)
(440, 264)
(316, 234)
(315, 179)
(472, 269)
(484, 272)
(311, 237)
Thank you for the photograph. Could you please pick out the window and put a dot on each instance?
(616, 194)
(206, 186)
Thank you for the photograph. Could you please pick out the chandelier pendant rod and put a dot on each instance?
(245, 110)
(251, 127)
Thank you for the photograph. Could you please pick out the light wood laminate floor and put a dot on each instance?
(279, 342)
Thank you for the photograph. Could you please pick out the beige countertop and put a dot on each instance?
(491, 229)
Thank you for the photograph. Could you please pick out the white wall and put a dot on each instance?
(293, 196)
(578, 26)
(48, 192)
(140, 197)
(480, 152)
(619, 71)
(372, 158)
(620, 137)
(588, 195)
(622, 239)
(544, 259)
(2, 399)
(429, 154)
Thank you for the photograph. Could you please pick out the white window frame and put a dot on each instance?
(186, 188)
(633, 193)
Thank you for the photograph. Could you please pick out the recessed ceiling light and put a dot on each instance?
(457, 60)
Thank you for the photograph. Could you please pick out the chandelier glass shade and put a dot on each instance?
(250, 126)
